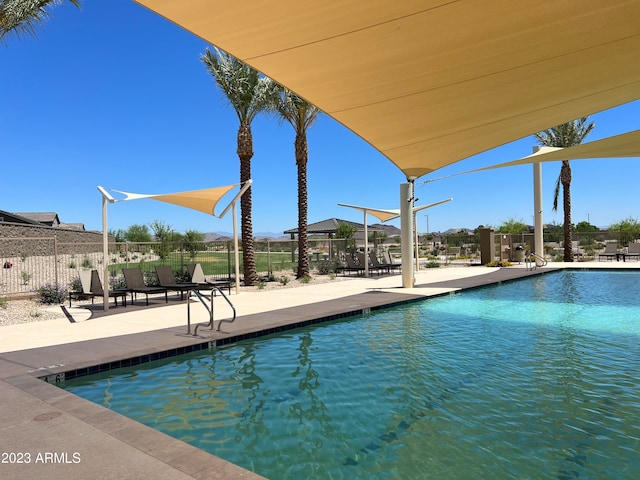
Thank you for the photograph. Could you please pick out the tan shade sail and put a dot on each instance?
(383, 215)
(432, 82)
(619, 146)
(204, 200)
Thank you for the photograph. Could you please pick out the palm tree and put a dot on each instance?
(22, 16)
(249, 93)
(565, 135)
(300, 114)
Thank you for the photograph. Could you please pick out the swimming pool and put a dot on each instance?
(536, 378)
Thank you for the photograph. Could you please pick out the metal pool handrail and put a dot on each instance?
(209, 308)
(531, 265)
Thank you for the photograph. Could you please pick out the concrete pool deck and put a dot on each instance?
(50, 433)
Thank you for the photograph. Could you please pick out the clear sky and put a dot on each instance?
(117, 96)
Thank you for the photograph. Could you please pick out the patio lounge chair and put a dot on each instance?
(389, 261)
(362, 261)
(610, 251)
(197, 277)
(168, 281)
(92, 287)
(352, 266)
(633, 251)
(377, 264)
(135, 284)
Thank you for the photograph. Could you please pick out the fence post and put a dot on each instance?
(55, 257)
(268, 257)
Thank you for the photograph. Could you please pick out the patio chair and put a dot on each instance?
(388, 260)
(377, 264)
(197, 276)
(168, 281)
(610, 251)
(362, 261)
(633, 251)
(92, 287)
(351, 266)
(135, 284)
(98, 291)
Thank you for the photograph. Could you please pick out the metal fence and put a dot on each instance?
(46, 261)
(37, 262)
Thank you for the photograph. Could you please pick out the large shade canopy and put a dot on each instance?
(432, 82)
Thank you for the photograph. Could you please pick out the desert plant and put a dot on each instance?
(305, 279)
(261, 284)
(4, 302)
(500, 263)
(52, 294)
(86, 262)
(284, 280)
(432, 264)
(26, 276)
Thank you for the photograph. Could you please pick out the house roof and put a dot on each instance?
(329, 225)
(432, 82)
(46, 218)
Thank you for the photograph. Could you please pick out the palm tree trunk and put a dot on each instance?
(245, 153)
(565, 178)
(303, 242)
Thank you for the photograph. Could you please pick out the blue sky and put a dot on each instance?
(117, 96)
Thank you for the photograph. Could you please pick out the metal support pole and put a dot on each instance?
(537, 213)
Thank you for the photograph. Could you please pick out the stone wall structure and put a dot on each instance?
(34, 240)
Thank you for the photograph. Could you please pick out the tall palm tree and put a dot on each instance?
(300, 114)
(565, 135)
(249, 94)
(22, 16)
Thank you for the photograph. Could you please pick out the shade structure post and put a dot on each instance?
(366, 245)
(106, 197)
(406, 233)
(538, 237)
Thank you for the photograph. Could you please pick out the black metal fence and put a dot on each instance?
(46, 261)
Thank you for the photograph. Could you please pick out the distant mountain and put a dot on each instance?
(223, 236)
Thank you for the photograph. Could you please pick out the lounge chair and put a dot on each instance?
(135, 284)
(377, 264)
(168, 281)
(610, 251)
(352, 266)
(362, 261)
(92, 287)
(197, 276)
(389, 261)
(633, 251)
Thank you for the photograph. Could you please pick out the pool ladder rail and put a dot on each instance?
(207, 302)
(532, 264)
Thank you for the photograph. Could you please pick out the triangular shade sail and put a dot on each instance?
(383, 214)
(204, 200)
(626, 145)
(432, 82)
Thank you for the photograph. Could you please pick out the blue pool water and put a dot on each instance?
(533, 379)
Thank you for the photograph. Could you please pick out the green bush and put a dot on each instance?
(86, 262)
(52, 294)
(432, 265)
(500, 263)
(327, 267)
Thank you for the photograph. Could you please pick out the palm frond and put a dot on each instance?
(23, 16)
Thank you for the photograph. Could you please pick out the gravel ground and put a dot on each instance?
(13, 312)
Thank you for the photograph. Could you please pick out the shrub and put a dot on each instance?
(305, 279)
(260, 284)
(284, 280)
(75, 285)
(432, 264)
(86, 262)
(4, 302)
(326, 267)
(52, 294)
(26, 276)
(500, 263)
(72, 264)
